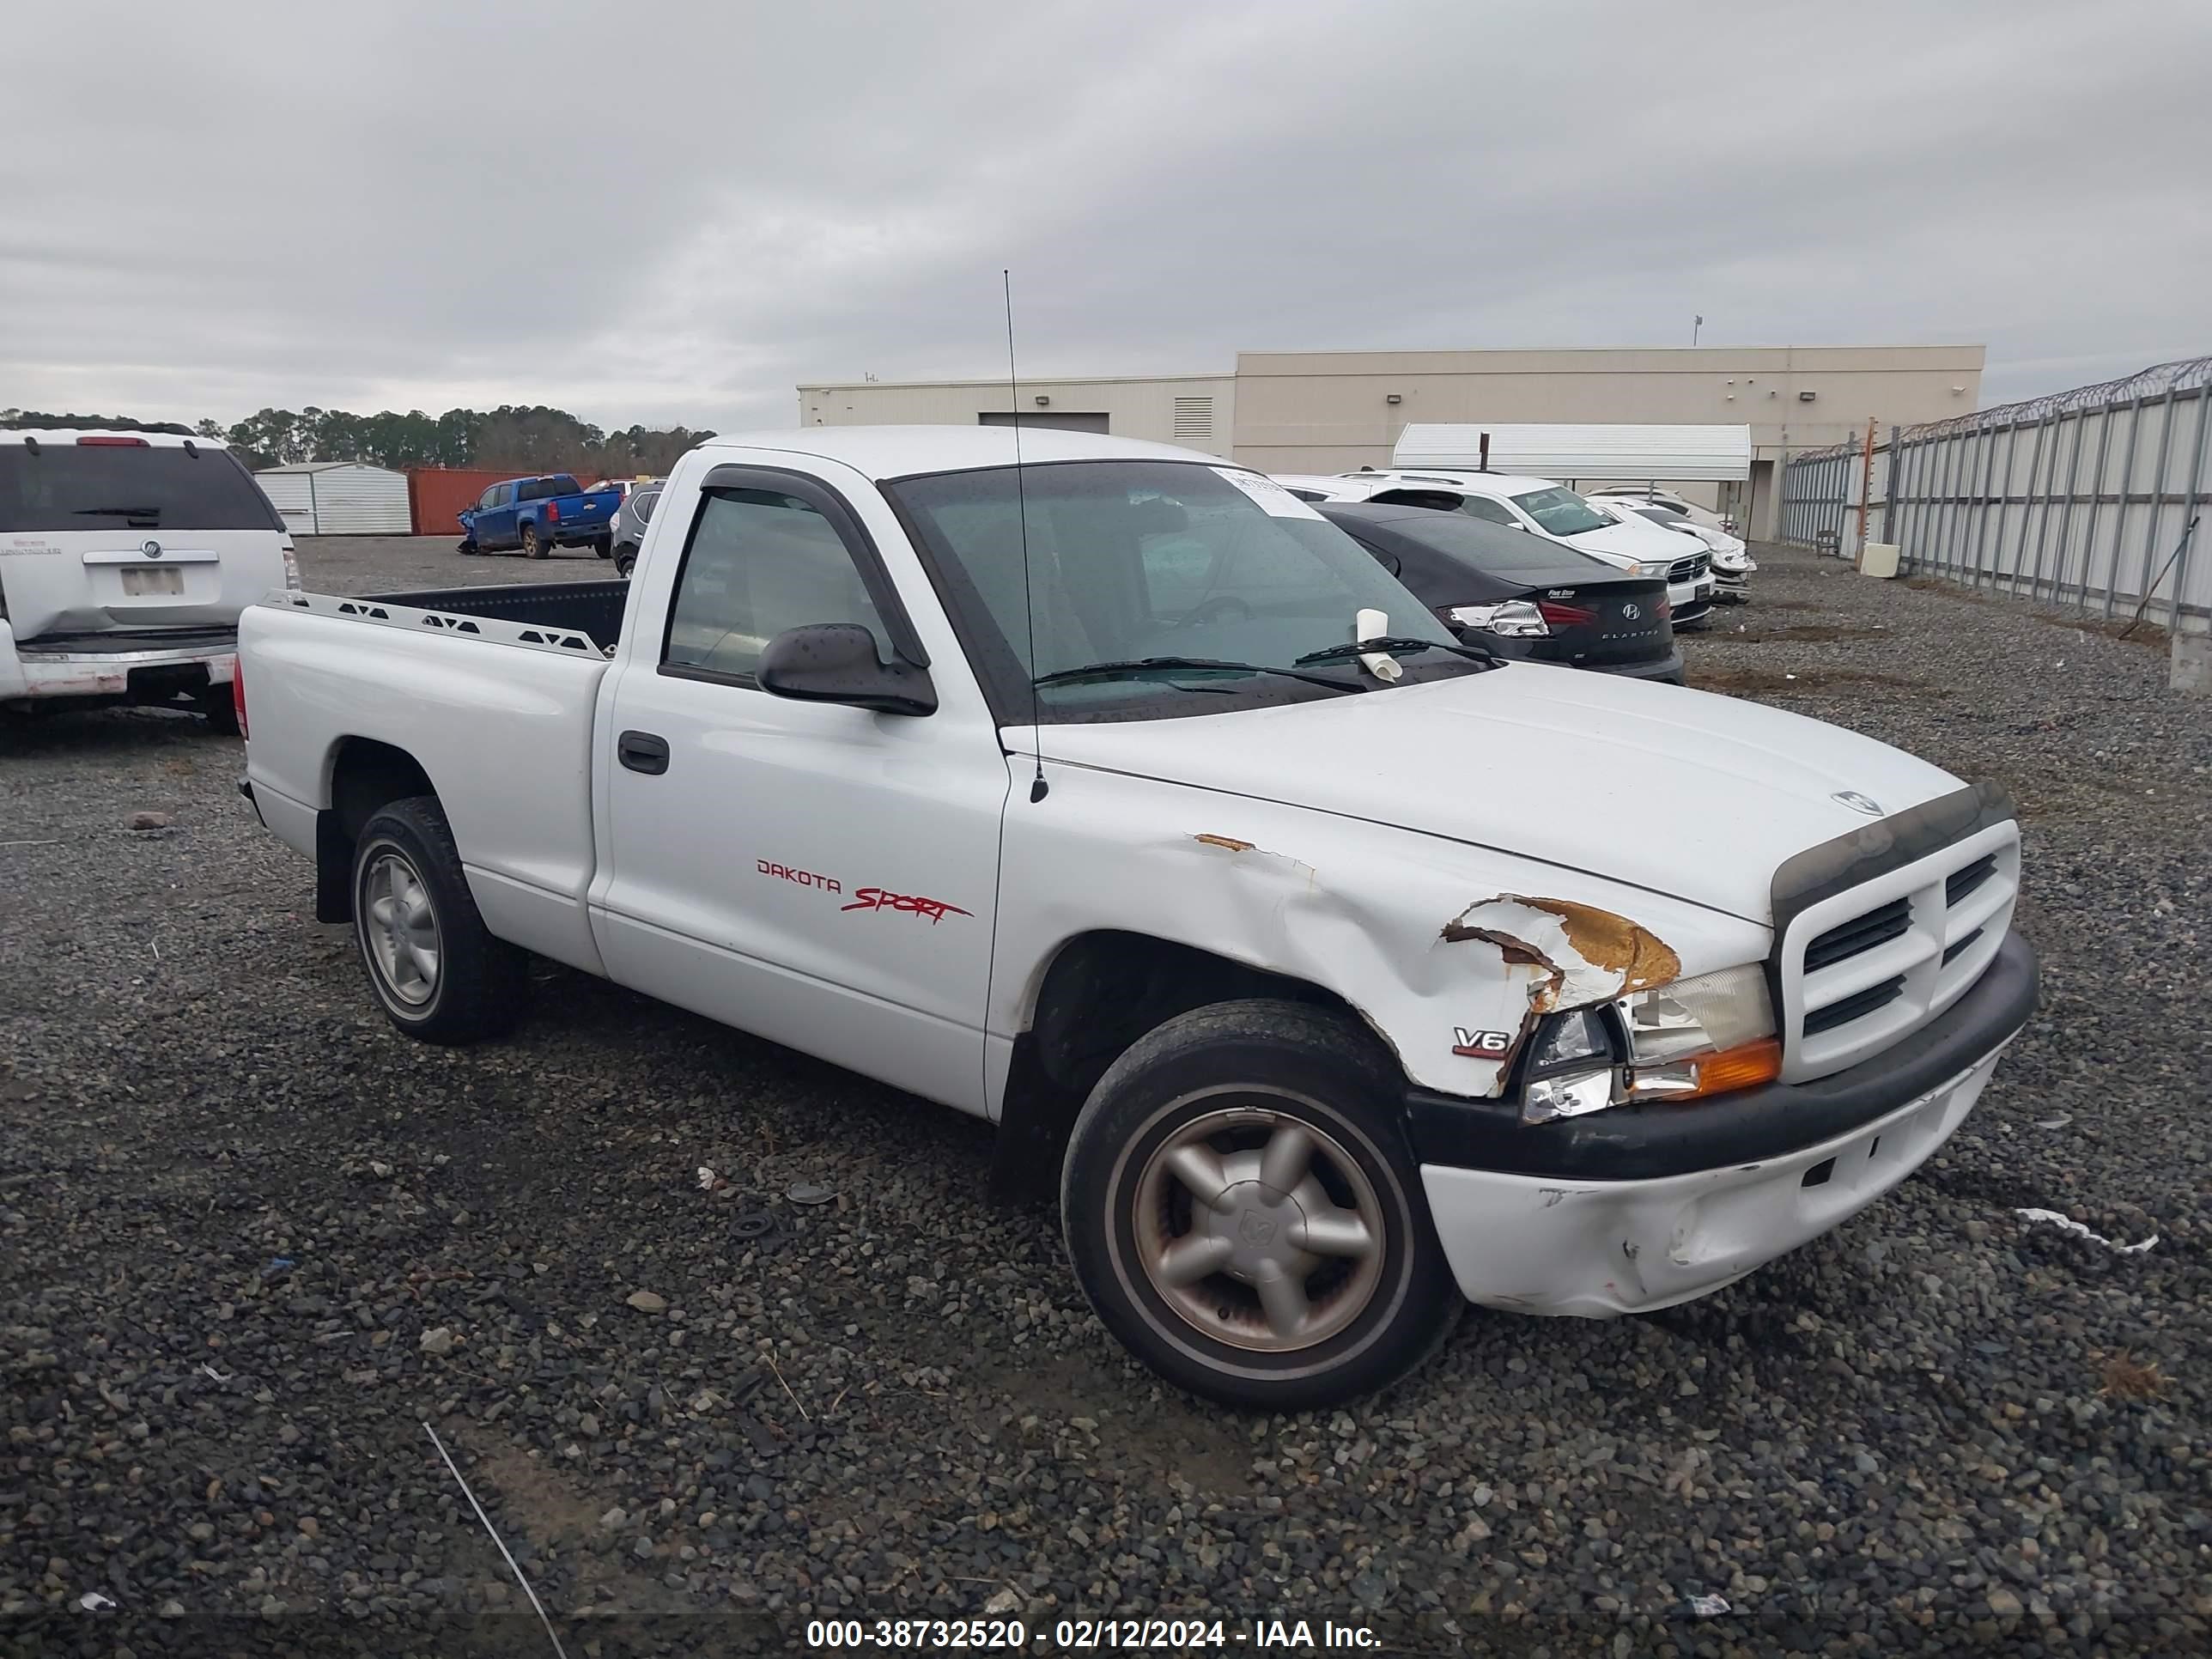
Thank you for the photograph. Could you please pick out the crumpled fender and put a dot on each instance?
(1452, 952)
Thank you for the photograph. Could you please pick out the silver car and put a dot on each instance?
(631, 518)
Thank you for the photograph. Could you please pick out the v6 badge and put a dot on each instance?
(1481, 1045)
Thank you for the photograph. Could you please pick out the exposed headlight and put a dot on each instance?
(1513, 619)
(1705, 1035)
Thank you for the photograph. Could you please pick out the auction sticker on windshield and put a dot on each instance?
(1273, 499)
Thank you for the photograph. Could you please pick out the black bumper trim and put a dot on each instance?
(1642, 1143)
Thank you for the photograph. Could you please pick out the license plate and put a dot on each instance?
(137, 583)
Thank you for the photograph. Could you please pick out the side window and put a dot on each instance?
(1481, 507)
(505, 495)
(759, 563)
(530, 490)
(642, 501)
(488, 498)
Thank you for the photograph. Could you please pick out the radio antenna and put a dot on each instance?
(1038, 787)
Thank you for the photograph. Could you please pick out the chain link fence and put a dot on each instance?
(2086, 498)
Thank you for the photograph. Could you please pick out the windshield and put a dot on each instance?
(68, 486)
(1561, 510)
(1129, 560)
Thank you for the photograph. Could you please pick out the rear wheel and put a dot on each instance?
(532, 548)
(437, 969)
(603, 546)
(625, 559)
(1243, 1217)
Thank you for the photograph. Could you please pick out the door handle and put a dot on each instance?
(641, 751)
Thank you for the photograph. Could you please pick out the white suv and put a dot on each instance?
(1541, 507)
(125, 559)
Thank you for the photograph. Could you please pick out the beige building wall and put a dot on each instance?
(1197, 411)
(1325, 411)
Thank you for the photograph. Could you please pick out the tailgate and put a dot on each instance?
(95, 581)
(96, 537)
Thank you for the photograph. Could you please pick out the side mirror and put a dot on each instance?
(836, 662)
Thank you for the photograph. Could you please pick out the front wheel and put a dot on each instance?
(438, 972)
(1242, 1216)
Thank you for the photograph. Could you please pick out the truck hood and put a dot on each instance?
(1687, 793)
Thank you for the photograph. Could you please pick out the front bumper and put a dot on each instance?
(1643, 1206)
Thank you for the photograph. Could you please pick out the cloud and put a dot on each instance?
(678, 212)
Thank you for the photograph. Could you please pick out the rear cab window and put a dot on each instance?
(70, 486)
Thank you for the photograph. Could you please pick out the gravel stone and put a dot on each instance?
(1939, 1430)
(647, 1302)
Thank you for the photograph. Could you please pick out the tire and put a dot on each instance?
(470, 550)
(532, 547)
(220, 711)
(1238, 1083)
(603, 546)
(410, 894)
(625, 560)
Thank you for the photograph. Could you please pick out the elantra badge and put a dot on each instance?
(1858, 803)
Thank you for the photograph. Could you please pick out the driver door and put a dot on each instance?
(822, 875)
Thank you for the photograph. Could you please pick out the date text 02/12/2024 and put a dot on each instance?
(1081, 1635)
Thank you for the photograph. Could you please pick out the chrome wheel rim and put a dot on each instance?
(401, 929)
(1259, 1230)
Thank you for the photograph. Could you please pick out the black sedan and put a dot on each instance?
(1518, 594)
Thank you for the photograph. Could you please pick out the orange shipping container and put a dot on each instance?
(436, 494)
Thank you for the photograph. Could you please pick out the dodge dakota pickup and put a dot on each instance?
(1329, 971)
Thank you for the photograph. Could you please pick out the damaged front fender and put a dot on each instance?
(1379, 916)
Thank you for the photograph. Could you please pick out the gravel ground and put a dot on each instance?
(252, 1240)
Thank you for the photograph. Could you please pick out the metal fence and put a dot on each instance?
(2085, 498)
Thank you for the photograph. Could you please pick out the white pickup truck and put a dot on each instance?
(1330, 973)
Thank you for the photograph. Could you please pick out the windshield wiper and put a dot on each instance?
(1143, 664)
(119, 512)
(1392, 644)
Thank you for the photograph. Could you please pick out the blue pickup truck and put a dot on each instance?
(540, 514)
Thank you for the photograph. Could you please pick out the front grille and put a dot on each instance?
(1868, 965)
(1684, 570)
(1855, 1007)
(1969, 879)
(1859, 934)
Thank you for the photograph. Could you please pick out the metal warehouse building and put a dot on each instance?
(1325, 411)
(338, 498)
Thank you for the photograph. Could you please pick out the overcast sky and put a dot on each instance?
(676, 213)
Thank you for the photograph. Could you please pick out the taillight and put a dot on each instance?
(1665, 607)
(552, 512)
(104, 441)
(1564, 615)
(237, 692)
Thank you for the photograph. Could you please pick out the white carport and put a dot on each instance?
(1607, 454)
(338, 498)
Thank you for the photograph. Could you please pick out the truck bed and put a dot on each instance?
(592, 609)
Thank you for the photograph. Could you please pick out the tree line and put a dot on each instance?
(521, 438)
